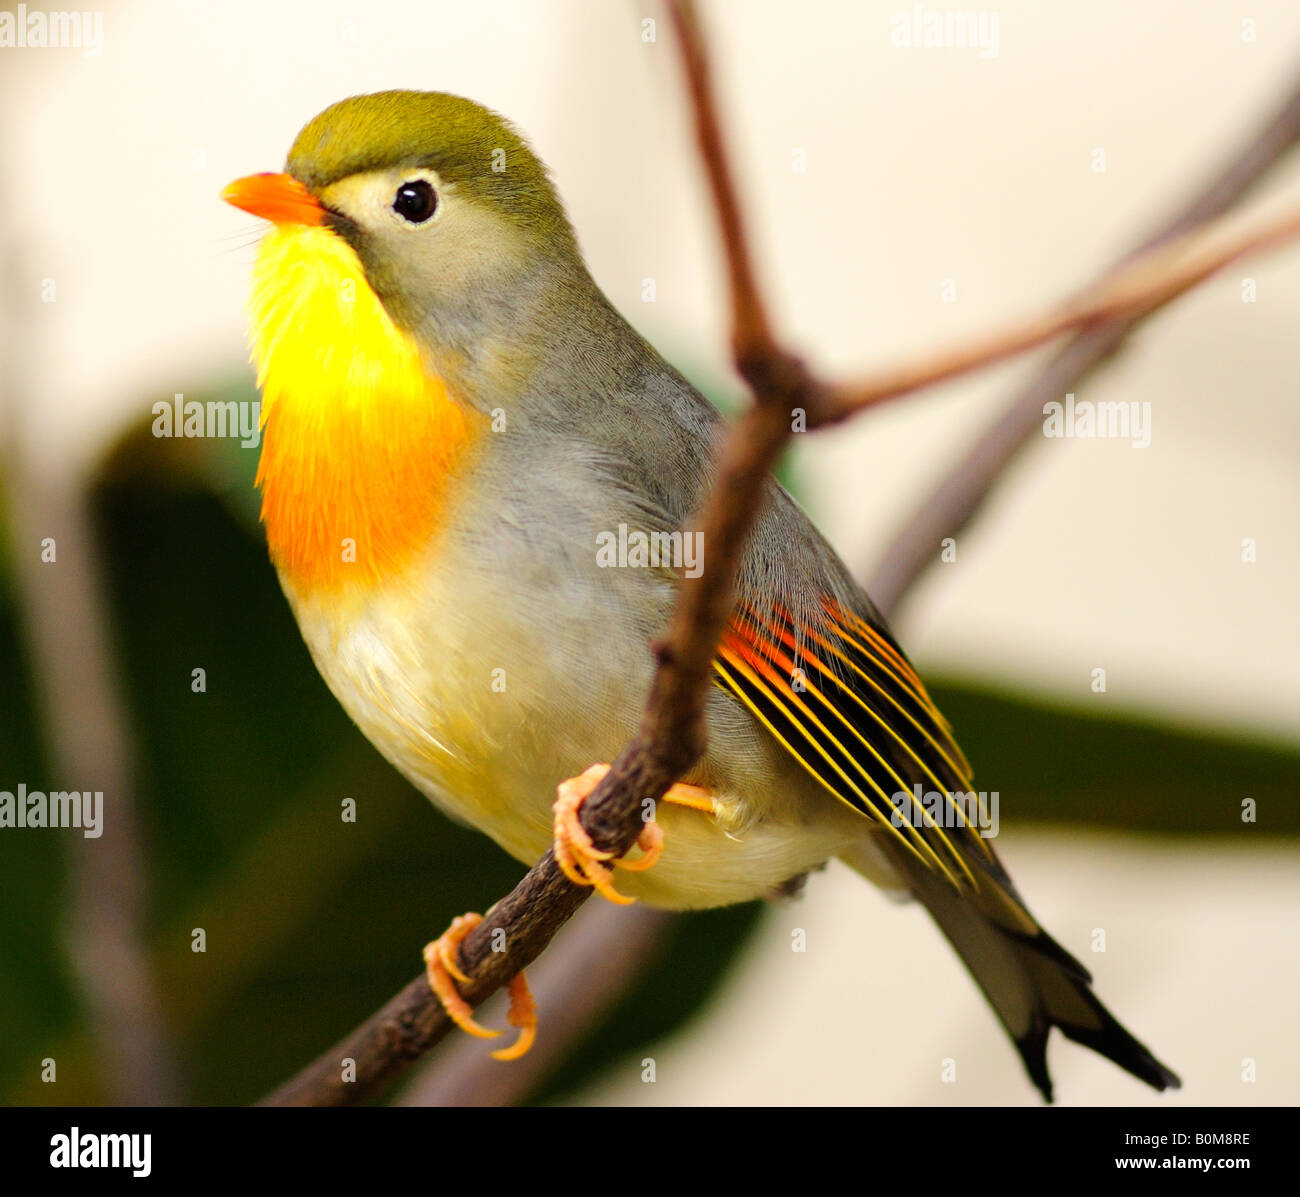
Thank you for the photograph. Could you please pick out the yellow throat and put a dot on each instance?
(361, 439)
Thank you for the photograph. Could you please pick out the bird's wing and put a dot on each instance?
(812, 660)
(840, 696)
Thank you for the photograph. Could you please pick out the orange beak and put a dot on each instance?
(279, 198)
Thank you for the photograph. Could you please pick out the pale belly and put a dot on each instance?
(487, 727)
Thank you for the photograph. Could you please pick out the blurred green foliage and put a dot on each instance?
(311, 922)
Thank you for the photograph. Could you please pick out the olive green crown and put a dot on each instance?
(463, 142)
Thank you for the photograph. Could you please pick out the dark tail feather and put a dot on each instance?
(1033, 984)
(1069, 1003)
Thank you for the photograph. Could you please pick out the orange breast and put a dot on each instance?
(352, 494)
(362, 444)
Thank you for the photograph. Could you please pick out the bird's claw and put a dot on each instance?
(575, 852)
(443, 970)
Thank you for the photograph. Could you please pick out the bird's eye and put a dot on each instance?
(415, 201)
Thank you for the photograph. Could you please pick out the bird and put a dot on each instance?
(478, 484)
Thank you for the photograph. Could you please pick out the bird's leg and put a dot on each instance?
(585, 864)
(444, 971)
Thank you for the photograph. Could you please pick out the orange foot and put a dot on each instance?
(444, 972)
(585, 864)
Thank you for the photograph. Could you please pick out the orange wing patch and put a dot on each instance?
(848, 706)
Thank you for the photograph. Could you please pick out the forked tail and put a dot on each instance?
(1032, 982)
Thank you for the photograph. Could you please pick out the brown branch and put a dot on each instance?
(951, 506)
(673, 731)
(1133, 289)
(751, 335)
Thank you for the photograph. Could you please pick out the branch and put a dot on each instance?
(948, 509)
(673, 731)
(1132, 290)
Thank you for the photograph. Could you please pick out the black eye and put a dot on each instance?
(415, 201)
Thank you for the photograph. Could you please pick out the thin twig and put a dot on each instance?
(1133, 289)
(951, 506)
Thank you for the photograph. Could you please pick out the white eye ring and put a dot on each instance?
(416, 200)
